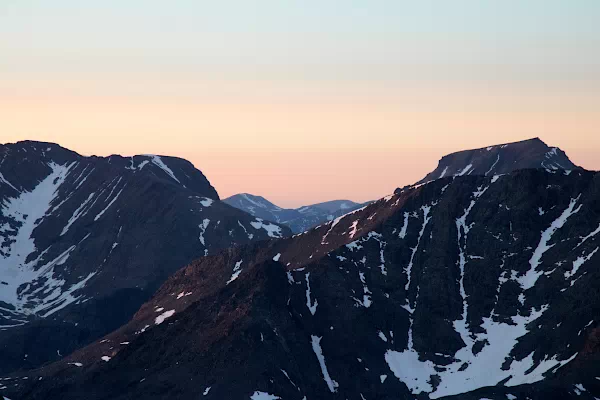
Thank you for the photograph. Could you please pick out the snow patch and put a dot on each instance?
(273, 230)
(237, 270)
(206, 202)
(263, 396)
(162, 317)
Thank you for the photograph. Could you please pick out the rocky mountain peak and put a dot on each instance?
(502, 159)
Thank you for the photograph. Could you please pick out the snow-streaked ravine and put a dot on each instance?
(16, 273)
(470, 371)
(528, 280)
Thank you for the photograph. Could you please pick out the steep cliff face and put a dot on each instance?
(502, 159)
(473, 287)
(84, 241)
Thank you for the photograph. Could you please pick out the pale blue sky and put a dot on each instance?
(270, 39)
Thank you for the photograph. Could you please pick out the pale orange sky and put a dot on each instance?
(302, 103)
(294, 150)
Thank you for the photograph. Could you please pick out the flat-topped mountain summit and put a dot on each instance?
(502, 159)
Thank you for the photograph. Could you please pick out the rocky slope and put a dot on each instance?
(502, 159)
(470, 287)
(84, 241)
(298, 219)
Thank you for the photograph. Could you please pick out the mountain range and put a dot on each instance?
(84, 241)
(297, 219)
(465, 286)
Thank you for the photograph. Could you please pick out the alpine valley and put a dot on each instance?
(479, 282)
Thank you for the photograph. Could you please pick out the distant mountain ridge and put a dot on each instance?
(502, 159)
(84, 241)
(298, 219)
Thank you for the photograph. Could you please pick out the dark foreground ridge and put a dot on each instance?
(473, 287)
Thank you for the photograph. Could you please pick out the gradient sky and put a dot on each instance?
(302, 101)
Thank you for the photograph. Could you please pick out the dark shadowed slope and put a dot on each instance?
(479, 285)
(84, 241)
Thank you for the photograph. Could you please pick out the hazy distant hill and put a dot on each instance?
(298, 219)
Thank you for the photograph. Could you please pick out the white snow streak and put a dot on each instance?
(528, 280)
(578, 263)
(426, 219)
(312, 307)
(443, 174)
(81, 210)
(493, 165)
(156, 160)
(353, 229)
(465, 170)
(101, 213)
(402, 233)
(203, 227)
(316, 345)
(591, 235)
(237, 270)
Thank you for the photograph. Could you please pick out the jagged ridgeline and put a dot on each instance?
(84, 241)
(466, 287)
